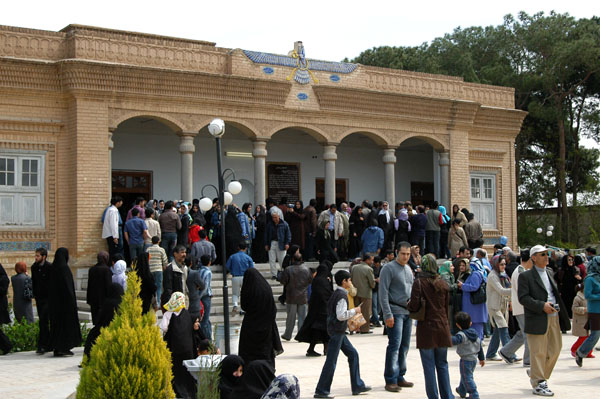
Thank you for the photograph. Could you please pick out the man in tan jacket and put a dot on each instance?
(364, 281)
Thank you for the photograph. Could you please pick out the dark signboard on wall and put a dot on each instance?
(283, 180)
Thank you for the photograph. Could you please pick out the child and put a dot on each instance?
(337, 314)
(469, 349)
(580, 318)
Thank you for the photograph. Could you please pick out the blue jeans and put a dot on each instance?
(397, 349)
(158, 278)
(337, 342)
(499, 334)
(375, 308)
(589, 343)
(467, 383)
(136, 250)
(434, 360)
(205, 322)
(168, 242)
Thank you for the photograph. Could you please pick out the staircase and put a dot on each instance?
(216, 311)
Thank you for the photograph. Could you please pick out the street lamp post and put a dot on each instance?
(217, 128)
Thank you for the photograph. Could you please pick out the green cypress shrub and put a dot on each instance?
(130, 358)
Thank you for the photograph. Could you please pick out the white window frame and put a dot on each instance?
(19, 194)
(480, 199)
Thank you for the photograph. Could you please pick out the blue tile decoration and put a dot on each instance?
(302, 65)
(268, 70)
(335, 78)
(24, 245)
(302, 96)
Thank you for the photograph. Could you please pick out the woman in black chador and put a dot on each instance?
(259, 336)
(106, 315)
(148, 287)
(233, 232)
(65, 332)
(314, 328)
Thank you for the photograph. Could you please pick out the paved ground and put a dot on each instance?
(27, 375)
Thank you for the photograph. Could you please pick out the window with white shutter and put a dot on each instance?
(483, 199)
(21, 189)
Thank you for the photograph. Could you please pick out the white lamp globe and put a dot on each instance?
(216, 128)
(227, 198)
(205, 204)
(539, 230)
(549, 233)
(551, 228)
(235, 187)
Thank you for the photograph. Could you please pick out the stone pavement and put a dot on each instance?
(27, 375)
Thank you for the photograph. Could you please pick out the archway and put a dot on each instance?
(417, 172)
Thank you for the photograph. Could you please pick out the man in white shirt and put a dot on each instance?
(110, 226)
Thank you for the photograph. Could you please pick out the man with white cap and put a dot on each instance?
(540, 297)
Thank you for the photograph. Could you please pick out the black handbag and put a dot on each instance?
(478, 297)
(419, 314)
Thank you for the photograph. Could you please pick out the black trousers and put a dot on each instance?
(44, 337)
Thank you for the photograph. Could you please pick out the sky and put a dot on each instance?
(330, 30)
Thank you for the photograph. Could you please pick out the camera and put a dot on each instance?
(556, 306)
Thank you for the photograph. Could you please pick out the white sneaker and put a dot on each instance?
(542, 390)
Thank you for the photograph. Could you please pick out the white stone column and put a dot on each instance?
(187, 149)
(389, 164)
(329, 156)
(445, 180)
(111, 145)
(259, 152)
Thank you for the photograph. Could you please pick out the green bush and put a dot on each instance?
(23, 335)
(130, 358)
(208, 384)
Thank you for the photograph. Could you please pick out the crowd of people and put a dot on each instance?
(425, 265)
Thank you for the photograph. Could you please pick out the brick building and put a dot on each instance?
(85, 112)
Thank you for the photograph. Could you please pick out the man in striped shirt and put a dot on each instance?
(158, 262)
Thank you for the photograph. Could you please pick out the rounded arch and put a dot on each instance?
(172, 123)
(314, 132)
(243, 126)
(377, 137)
(432, 140)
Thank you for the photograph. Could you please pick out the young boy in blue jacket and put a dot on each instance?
(468, 347)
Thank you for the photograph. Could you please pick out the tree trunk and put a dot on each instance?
(562, 180)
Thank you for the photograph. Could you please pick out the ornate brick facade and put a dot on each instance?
(64, 92)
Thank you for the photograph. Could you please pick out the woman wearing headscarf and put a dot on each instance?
(456, 237)
(231, 370)
(478, 312)
(195, 285)
(458, 214)
(497, 301)
(324, 240)
(444, 251)
(567, 278)
(65, 332)
(447, 274)
(433, 333)
(295, 218)
(314, 328)
(99, 280)
(178, 329)
(148, 286)
(415, 258)
(284, 386)
(233, 231)
(258, 244)
(109, 307)
(357, 226)
(4, 283)
(118, 273)
(256, 379)
(259, 335)
(22, 293)
(403, 226)
(591, 292)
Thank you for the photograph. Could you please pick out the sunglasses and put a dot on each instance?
(542, 254)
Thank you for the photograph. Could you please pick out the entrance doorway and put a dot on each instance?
(129, 185)
(421, 193)
(341, 191)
